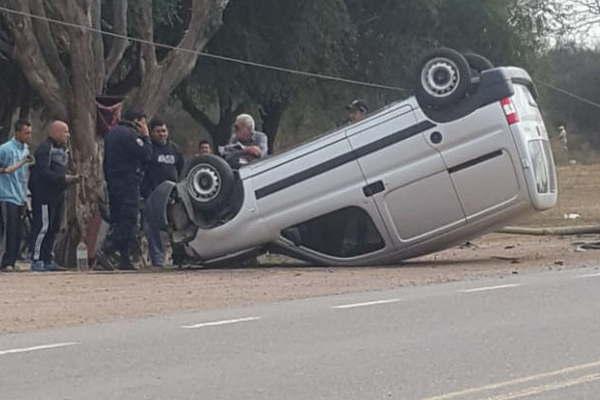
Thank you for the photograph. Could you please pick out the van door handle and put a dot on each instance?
(374, 188)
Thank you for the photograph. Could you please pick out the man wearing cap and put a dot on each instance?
(357, 111)
(127, 149)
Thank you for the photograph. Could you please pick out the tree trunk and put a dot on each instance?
(271, 116)
(67, 68)
(220, 132)
(159, 79)
(16, 96)
(86, 195)
(6, 118)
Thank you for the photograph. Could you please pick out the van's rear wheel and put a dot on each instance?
(444, 77)
(478, 62)
(209, 182)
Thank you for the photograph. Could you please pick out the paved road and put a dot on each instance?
(525, 337)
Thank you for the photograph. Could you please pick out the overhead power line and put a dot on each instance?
(205, 54)
(570, 94)
(252, 63)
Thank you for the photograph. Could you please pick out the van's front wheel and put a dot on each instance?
(209, 182)
(444, 77)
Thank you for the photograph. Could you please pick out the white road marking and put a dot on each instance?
(514, 382)
(532, 391)
(590, 276)
(370, 303)
(36, 348)
(218, 323)
(485, 289)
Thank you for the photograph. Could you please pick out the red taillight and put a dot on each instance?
(512, 117)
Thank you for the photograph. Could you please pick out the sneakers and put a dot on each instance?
(105, 261)
(38, 266)
(52, 266)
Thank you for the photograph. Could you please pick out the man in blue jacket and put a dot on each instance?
(48, 183)
(14, 158)
(127, 149)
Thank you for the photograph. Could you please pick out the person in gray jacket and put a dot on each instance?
(246, 144)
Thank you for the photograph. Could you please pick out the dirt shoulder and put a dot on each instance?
(30, 301)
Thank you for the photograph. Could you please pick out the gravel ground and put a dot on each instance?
(30, 301)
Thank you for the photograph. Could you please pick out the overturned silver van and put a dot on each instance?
(464, 156)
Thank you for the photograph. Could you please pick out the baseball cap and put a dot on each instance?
(134, 114)
(358, 105)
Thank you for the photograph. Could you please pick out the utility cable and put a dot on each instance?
(204, 54)
(252, 63)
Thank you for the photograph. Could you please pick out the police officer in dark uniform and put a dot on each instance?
(127, 148)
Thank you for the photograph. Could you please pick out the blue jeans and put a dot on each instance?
(155, 245)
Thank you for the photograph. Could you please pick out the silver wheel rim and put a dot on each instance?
(204, 183)
(440, 77)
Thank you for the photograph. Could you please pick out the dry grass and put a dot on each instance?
(579, 193)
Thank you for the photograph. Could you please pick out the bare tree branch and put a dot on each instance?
(144, 24)
(48, 46)
(83, 78)
(98, 45)
(206, 17)
(33, 62)
(118, 46)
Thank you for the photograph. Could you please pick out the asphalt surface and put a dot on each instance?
(531, 336)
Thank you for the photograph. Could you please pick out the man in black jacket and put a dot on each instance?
(166, 164)
(48, 181)
(127, 149)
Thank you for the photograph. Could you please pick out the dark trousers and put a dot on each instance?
(11, 224)
(123, 200)
(47, 218)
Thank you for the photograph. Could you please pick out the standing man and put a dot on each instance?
(562, 137)
(166, 164)
(357, 111)
(14, 157)
(48, 183)
(127, 149)
(246, 144)
(204, 147)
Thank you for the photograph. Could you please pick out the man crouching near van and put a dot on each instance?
(246, 144)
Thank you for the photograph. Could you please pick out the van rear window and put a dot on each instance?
(543, 166)
(525, 93)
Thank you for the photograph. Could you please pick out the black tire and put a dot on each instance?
(443, 78)
(478, 63)
(209, 182)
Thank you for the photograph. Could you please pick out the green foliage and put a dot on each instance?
(313, 35)
(575, 69)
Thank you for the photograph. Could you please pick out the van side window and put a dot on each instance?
(345, 233)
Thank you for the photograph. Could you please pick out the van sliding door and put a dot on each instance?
(407, 178)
